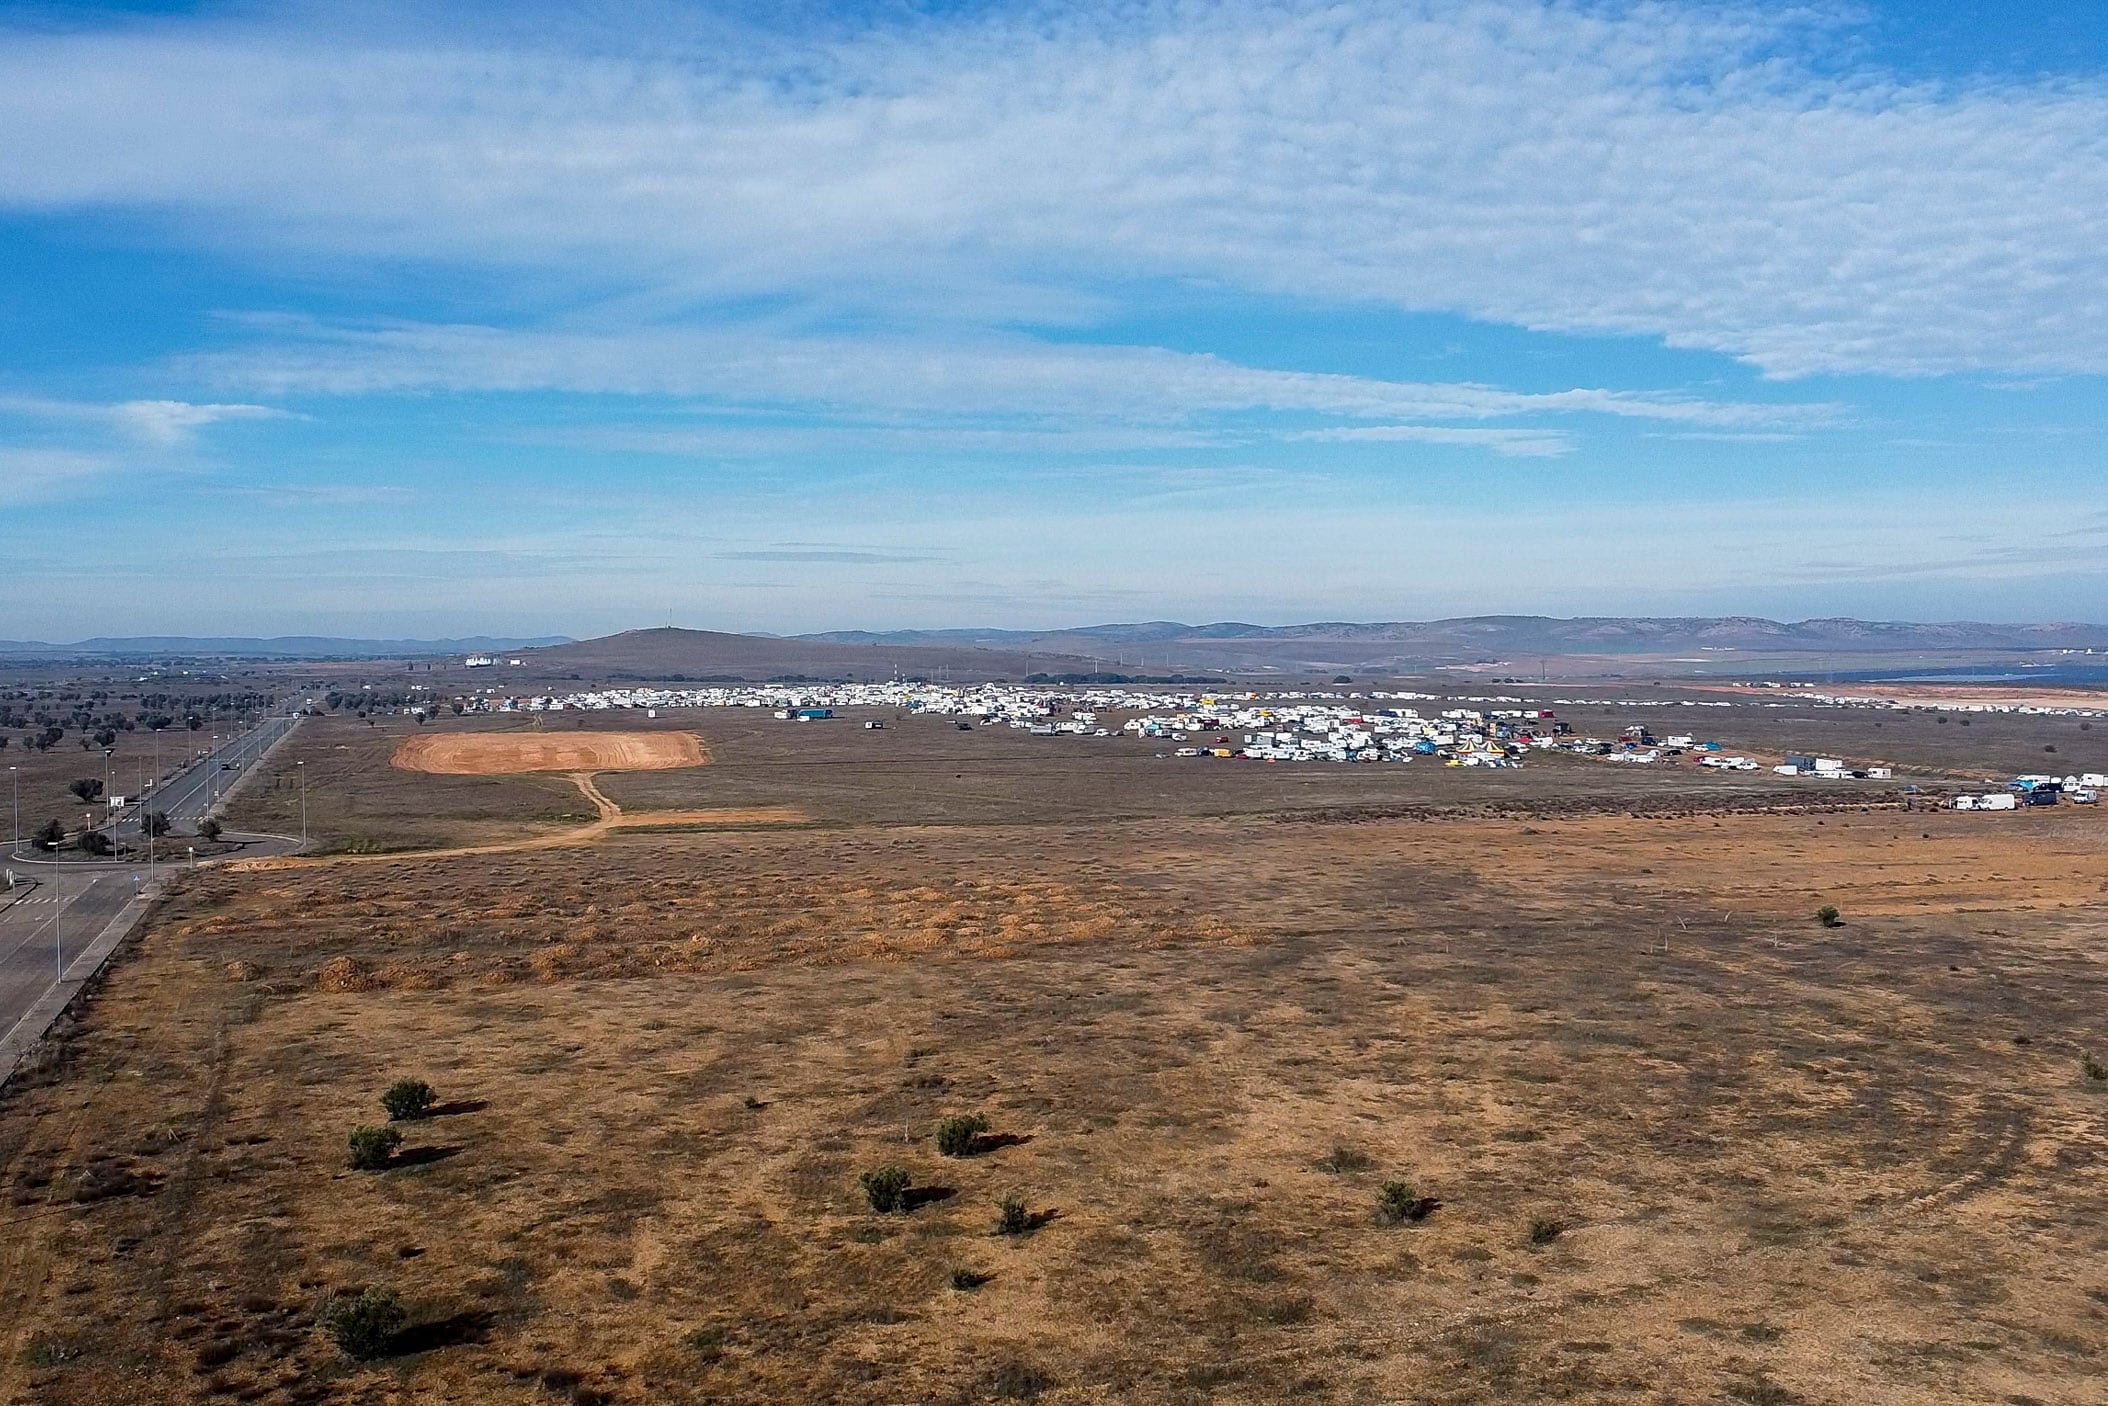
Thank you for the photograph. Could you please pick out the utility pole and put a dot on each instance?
(14, 781)
(302, 768)
(58, 943)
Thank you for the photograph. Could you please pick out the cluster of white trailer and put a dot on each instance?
(1288, 729)
(1275, 726)
(1301, 726)
(2083, 789)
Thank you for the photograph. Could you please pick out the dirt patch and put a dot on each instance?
(511, 753)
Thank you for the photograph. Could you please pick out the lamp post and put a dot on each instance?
(301, 767)
(14, 782)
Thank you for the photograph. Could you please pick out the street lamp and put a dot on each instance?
(14, 782)
(301, 767)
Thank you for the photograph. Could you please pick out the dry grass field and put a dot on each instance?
(1682, 1143)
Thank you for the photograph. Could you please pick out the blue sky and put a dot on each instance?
(426, 319)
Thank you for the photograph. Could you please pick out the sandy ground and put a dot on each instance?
(510, 753)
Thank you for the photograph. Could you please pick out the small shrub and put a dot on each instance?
(46, 1351)
(1545, 1229)
(408, 1098)
(960, 1134)
(2095, 1071)
(1827, 916)
(368, 1149)
(1011, 1217)
(1341, 1160)
(209, 829)
(964, 1279)
(1394, 1202)
(365, 1327)
(1011, 1380)
(885, 1188)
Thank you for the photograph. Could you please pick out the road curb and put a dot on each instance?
(80, 973)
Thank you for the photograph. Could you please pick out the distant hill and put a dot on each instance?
(666, 653)
(1406, 645)
(278, 647)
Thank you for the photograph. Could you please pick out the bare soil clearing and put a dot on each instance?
(513, 753)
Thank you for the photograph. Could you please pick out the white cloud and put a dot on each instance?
(171, 422)
(1682, 172)
(963, 375)
(1518, 444)
(163, 423)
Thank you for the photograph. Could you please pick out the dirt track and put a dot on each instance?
(511, 753)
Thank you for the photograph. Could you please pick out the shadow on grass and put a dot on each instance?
(471, 1327)
(990, 1142)
(456, 1107)
(916, 1197)
(423, 1156)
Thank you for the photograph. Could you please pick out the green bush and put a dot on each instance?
(1011, 1217)
(364, 1327)
(885, 1188)
(1827, 916)
(964, 1279)
(2095, 1071)
(1396, 1204)
(1545, 1229)
(958, 1135)
(368, 1149)
(210, 829)
(407, 1098)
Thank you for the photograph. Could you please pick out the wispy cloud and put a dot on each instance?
(822, 554)
(161, 423)
(1719, 177)
(1521, 444)
(770, 440)
(924, 375)
(33, 475)
(171, 422)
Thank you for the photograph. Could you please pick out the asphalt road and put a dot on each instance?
(185, 797)
(56, 908)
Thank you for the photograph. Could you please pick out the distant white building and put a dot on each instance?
(480, 661)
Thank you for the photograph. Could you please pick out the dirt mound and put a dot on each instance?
(509, 753)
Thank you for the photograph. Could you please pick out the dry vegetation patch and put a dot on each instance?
(1659, 1150)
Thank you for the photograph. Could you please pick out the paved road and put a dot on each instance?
(56, 909)
(185, 797)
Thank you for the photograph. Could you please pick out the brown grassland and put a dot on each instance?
(1683, 1143)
